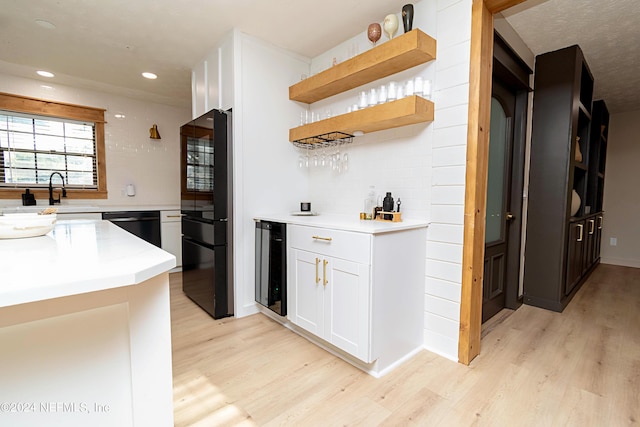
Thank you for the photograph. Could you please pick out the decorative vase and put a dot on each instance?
(578, 152)
(390, 25)
(374, 32)
(407, 17)
(575, 202)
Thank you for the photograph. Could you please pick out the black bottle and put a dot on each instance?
(387, 206)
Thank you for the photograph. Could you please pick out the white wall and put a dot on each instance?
(621, 201)
(266, 175)
(153, 166)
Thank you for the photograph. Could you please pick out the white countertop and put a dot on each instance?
(88, 208)
(77, 256)
(345, 222)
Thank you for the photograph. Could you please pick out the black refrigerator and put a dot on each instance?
(206, 212)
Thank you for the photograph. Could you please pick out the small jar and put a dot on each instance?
(373, 97)
(382, 94)
(408, 88)
(392, 92)
(418, 84)
(362, 99)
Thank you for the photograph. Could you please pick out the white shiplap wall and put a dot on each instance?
(444, 239)
(422, 164)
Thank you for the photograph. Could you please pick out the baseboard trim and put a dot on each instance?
(621, 262)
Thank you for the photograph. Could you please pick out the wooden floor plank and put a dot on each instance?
(537, 368)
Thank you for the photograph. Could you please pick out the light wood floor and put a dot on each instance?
(536, 368)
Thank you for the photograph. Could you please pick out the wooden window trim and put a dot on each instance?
(24, 104)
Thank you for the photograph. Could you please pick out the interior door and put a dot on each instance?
(503, 239)
(498, 200)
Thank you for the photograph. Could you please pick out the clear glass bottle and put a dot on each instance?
(370, 202)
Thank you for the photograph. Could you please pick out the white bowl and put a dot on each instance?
(15, 226)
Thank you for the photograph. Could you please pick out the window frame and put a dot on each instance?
(61, 110)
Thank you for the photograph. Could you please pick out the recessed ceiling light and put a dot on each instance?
(149, 76)
(45, 24)
(44, 73)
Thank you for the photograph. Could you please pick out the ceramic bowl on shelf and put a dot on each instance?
(20, 225)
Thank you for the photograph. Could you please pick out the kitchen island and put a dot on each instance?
(85, 329)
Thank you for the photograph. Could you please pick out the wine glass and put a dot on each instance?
(390, 25)
(374, 32)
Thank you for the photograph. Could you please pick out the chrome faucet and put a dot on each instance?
(64, 191)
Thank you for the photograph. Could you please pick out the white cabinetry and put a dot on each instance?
(362, 293)
(212, 79)
(171, 233)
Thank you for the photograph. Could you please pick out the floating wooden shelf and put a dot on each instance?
(398, 54)
(402, 112)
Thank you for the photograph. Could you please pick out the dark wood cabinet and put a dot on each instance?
(575, 255)
(568, 152)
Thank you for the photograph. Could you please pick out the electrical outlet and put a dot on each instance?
(613, 241)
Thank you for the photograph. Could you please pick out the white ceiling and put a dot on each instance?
(110, 42)
(114, 41)
(607, 31)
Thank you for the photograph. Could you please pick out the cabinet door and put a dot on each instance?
(226, 79)
(590, 237)
(347, 312)
(306, 296)
(575, 255)
(171, 238)
(198, 89)
(598, 240)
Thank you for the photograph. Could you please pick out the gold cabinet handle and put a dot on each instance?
(509, 216)
(600, 222)
(317, 276)
(592, 223)
(324, 271)
(326, 239)
(581, 232)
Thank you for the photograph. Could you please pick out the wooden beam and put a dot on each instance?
(480, 74)
(495, 6)
(476, 181)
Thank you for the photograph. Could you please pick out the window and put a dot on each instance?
(33, 147)
(40, 137)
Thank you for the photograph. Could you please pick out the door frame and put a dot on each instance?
(480, 75)
(513, 72)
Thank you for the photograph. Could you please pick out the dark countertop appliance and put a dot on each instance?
(206, 212)
(144, 224)
(271, 266)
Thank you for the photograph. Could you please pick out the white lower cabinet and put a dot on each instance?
(361, 292)
(331, 299)
(171, 234)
